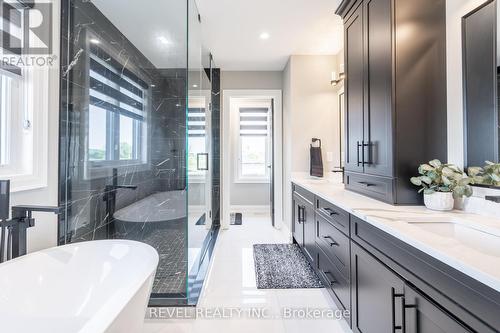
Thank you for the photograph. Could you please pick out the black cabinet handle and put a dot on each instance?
(368, 145)
(332, 281)
(366, 184)
(360, 145)
(412, 325)
(332, 241)
(404, 307)
(397, 327)
(330, 211)
(302, 214)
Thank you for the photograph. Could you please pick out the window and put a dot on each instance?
(197, 136)
(24, 104)
(117, 111)
(254, 142)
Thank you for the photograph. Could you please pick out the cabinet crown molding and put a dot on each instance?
(344, 7)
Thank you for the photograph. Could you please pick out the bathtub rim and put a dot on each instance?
(112, 307)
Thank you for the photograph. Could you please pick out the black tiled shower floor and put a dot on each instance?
(171, 272)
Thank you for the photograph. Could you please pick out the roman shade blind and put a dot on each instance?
(114, 87)
(253, 121)
(196, 122)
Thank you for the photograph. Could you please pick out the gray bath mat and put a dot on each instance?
(283, 266)
(236, 219)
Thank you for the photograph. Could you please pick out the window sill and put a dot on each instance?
(252, 181)
(94, 170)
(22, 183)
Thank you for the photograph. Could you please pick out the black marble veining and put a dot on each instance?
(93, 189)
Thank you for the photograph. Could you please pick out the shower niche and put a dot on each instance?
(139, 135)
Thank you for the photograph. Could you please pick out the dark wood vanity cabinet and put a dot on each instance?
(423, 316)
(298, 225)
(395, 93)
(436, 298)
(377, 294)
(304, 230)
(383, 302)
(354, 101)
(387, 285)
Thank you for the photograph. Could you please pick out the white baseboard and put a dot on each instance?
(250, 209)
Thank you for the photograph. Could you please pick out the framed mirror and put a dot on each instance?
(481, 77)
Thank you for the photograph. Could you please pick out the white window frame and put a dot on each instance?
(280, 179)
(28, 145)
(239, 177)
(200, 99)
(94, 169)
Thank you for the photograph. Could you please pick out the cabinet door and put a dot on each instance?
(298, 220)
(422, 316)
(376, 294)
(310, 232)
(377, 145)
(354, 67)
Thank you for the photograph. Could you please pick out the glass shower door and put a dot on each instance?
(198, 144)
(123, 130)
(136, 135)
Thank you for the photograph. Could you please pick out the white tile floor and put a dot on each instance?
(231, 285)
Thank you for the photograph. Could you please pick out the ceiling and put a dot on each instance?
(160, 34)
(231, 30)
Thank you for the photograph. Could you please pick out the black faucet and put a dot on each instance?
(110, 198)
(339, 170)
(16, 228)
(110, 190)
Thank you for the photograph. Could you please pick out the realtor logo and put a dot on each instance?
(26, 27)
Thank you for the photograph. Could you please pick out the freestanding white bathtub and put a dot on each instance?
(89, 287)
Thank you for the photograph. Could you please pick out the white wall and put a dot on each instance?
(251, 80)
(455, 10)
(44, 234)
(310, 110)
(249, 194)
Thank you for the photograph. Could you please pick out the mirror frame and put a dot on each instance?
(466, 128)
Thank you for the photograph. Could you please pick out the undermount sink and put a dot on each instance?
(471, 236)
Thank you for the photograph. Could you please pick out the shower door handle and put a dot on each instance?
(202, 166)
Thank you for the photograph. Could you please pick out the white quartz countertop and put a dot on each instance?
(468, 248)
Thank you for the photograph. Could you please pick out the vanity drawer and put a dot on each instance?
(380, 188)
(338, 217)
(306, 195)
(334, 244)
(334, 281)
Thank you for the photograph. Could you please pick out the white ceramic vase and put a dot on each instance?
(442, 201)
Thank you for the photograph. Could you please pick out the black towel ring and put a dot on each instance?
(314, 140)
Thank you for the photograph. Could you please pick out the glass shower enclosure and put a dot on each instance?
(139, 135)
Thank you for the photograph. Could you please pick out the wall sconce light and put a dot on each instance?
(336, 79)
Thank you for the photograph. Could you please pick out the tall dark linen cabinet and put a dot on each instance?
(395, 62)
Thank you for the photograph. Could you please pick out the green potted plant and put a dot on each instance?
(488, 175)
(441, 184)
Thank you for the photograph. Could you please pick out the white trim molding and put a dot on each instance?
(227, 148)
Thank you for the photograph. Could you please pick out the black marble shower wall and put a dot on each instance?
(151, 164)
